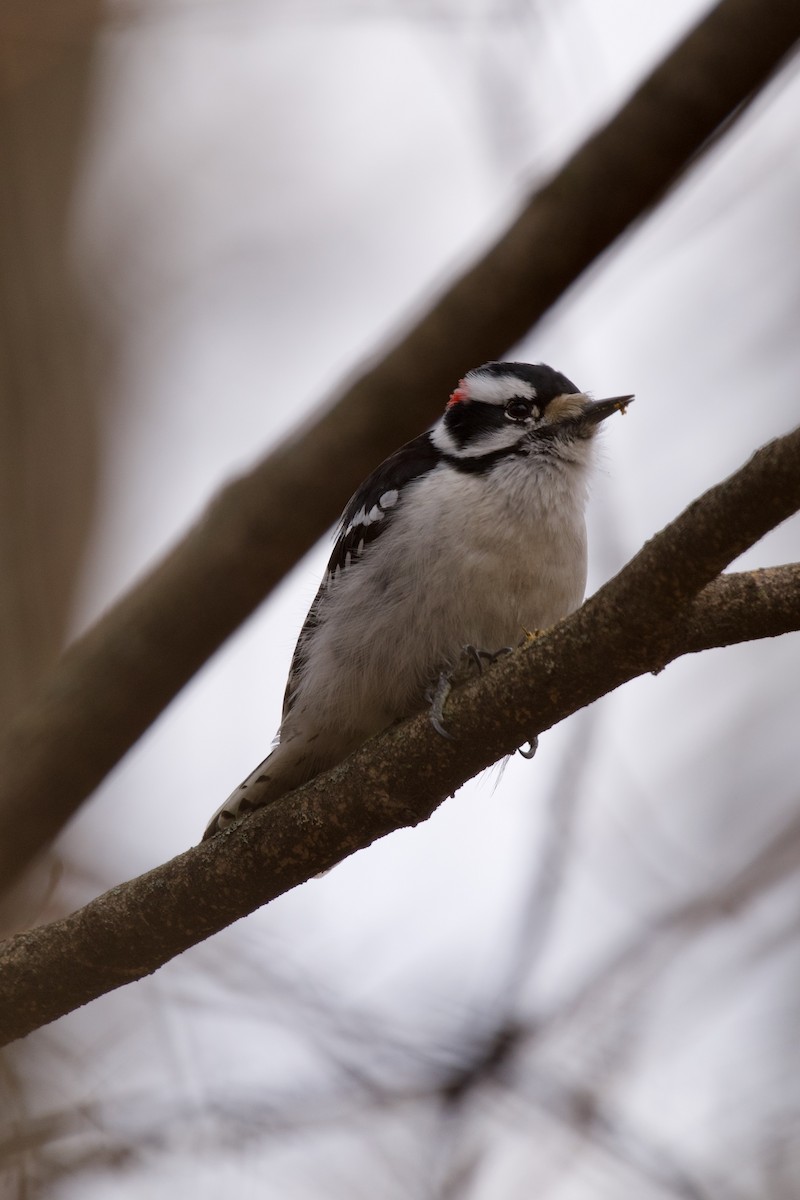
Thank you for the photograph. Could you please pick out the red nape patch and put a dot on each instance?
(460, 395)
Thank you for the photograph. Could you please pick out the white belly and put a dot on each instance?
(450, 578)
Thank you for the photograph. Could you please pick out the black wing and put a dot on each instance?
(371, 508)
(367, 514)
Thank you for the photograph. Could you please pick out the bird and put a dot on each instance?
(461, 542)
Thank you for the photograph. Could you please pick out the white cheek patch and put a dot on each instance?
(506, 438)
(442, 439)
(497, 389)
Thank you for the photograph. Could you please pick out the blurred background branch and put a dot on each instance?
(50, 393)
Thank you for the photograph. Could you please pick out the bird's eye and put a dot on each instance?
(518, 409)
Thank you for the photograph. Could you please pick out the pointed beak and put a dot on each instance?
(597, 410)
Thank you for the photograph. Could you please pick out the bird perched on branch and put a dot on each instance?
(466, 537)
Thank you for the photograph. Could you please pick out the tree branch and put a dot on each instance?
(664, 603)
(742, 607)
(113, 682)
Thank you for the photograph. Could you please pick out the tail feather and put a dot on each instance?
(237, 804)
(286, 768)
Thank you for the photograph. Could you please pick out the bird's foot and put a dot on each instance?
(487, 656)
(437, 697)
(472, 662)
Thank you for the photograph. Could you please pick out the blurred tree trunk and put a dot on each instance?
(48, 384)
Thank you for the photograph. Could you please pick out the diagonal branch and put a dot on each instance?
(115, 680)
(659, 607)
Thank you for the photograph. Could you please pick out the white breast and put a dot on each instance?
(469, 559)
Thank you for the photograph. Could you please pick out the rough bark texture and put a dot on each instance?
(114, 681)
(666, 602)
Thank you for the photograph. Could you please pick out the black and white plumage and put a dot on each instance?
(470, 534)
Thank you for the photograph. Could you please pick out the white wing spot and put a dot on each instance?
(358, 519)
(389, 499)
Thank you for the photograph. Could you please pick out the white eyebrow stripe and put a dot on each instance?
(496, 389)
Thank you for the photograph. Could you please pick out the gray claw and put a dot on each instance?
(479, 657)
(440, 729)
(475, 656)
(436, 714)
(437, 697)
(533, 746)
